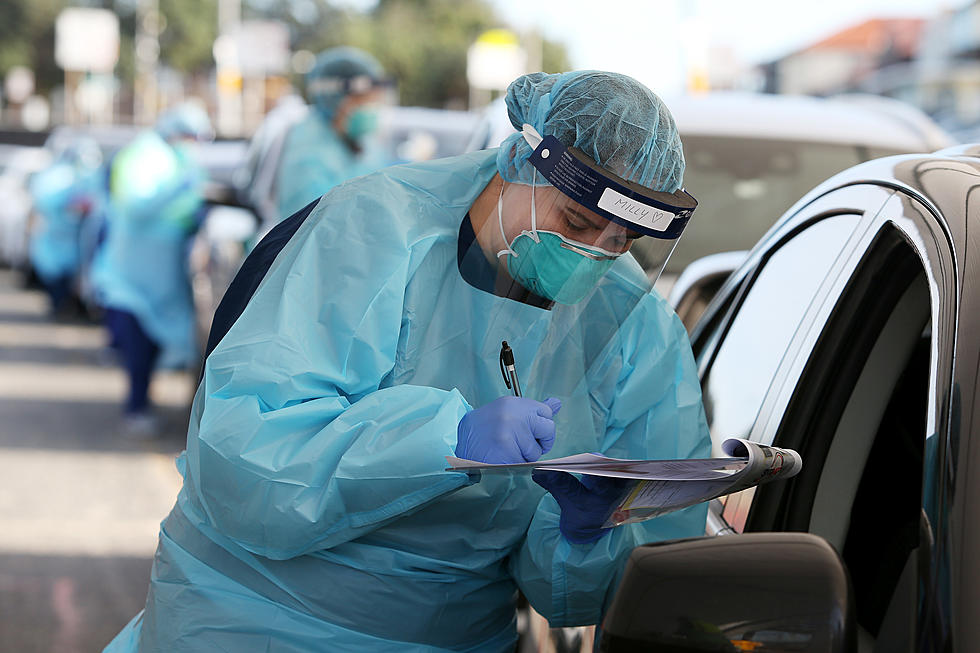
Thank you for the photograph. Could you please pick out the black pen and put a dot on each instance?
(508, 370)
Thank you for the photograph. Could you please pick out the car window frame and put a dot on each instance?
(863, 201)
(907, 216)
(917, 218)
(712, 329)
(914, 220)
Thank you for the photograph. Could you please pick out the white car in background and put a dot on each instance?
(17, 164)
(750, 156)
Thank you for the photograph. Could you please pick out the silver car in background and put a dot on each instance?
(17, 164)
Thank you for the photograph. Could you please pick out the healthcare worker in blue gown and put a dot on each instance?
(334, 142)
(358, 348)
(140, 275)
(64, 195)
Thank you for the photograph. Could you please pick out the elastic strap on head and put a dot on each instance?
(531, 135)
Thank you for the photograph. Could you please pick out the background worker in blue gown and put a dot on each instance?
(64, 195)
(141, 276)
(358, 347)
(333, 143)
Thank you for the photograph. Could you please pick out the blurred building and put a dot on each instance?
(932, 64)
(946, 76)
(847, 60)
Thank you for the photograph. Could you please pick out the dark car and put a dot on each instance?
(849, 335)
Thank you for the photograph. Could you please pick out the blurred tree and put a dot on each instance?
(309, 21)
(13, 40)
(27, 39)
(421, 43)
(27, 30)
(190, 27)
(554, 57)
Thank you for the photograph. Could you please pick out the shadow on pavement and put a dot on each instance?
(80, 503)
(42, 600)
(84, 426)
(57, 356)
(24, 318)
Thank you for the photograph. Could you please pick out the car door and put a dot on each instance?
(836, 343)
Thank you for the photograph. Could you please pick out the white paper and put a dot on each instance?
(664, 486)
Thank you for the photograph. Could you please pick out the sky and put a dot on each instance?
(652, 40)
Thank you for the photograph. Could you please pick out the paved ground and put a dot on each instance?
(80, 505)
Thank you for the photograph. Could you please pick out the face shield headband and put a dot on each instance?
(652, 213)
(356, 85)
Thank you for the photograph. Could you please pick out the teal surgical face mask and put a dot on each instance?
(551, 265)
(362, 122)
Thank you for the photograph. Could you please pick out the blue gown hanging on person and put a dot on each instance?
(315, 159)
(316, 512)
(155, 196)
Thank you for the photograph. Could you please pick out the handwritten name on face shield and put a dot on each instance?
(634, 211)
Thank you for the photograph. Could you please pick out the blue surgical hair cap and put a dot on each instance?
(618, 122)
(188, 119)
(337, 73)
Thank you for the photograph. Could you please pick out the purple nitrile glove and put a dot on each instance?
(508, 430)
(584, 504)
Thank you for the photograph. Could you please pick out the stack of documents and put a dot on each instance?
(662, 486)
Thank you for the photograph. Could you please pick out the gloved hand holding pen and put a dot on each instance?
(508, 430)
(584, 504)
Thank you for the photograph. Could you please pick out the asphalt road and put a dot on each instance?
(80, 505)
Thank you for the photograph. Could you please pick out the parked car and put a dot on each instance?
(17, 164)
(420, 133)
(847, 335)
(750, 156)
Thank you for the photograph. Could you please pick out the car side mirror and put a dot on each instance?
(699, 282)
(755, 591)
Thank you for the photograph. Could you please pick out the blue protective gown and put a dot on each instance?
(142, 268)
(316, 513)
(315, 159)
(54, 245)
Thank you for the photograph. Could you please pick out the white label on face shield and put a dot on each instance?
(636, 212)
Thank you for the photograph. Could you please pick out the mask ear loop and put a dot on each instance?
(500, 221)
(533, 139)
(534, 215)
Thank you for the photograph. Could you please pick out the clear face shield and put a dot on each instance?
(561, 288)
(558, 239)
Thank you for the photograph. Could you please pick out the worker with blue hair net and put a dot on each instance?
(333, 142)
(140, 275)
(358, 347)
(65, 194)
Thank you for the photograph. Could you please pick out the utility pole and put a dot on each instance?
(229, 74)
(148, 28)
